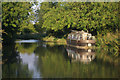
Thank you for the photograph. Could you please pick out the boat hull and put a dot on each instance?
(81, 42)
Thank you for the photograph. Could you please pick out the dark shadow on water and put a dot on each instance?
(12, 67)
(27, 45)
(9, 53)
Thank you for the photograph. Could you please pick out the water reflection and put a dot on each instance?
(28, 56)
(26, 48)
(12, 67)
(31, 60)
(82, 55)
(36, 60)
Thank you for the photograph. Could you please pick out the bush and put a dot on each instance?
(108, 42)
(53, 39)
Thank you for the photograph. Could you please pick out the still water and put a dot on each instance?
(34, 59)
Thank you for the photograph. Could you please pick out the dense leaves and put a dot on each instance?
(80, 16)
(15, 17)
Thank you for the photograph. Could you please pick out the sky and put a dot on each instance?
(36, 7)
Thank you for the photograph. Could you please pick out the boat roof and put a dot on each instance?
(78, 32)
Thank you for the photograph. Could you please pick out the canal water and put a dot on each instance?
(34, 59)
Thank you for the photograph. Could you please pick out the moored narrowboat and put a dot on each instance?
(80, 38)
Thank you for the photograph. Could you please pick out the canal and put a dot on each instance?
(34, 59)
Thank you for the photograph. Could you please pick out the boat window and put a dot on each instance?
(72, 36)
(87, 56)
(80, 56)
(79, 37)
(75, 37)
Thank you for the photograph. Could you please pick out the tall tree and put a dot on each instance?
(44, 8)
(82, 16)
(15, 15)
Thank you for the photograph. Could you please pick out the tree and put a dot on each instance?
(81, 16)
(44, 8)
(15, 15)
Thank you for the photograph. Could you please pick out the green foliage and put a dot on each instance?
(26, 48)
(28, 29)
(44, 8)
(54, 63)
(79, 15)
(30, 36)
(38, 28)
(109, 43)
(15, 17)
(54, 39)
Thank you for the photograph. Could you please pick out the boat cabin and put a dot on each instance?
(80, 38)
(80, 35)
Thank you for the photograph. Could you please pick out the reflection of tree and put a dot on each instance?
(41, 51)
(9, 53)
(26, 47)
(53, 64)
(56, 66)
(105, 57)
(46, 51)
(12, 67)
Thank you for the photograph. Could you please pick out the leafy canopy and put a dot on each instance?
(15, 17)
(79, 15)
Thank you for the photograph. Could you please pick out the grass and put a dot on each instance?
(53, 39)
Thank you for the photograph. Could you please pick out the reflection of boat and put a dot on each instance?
(80, 38)
(82, 55)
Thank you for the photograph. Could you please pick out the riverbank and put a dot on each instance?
(109, 42)
(107, 46)
(42, 38)
(53, 39)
